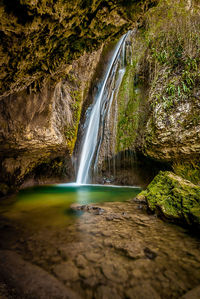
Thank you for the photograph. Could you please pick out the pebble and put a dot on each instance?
(105, 292)
(149, 253)
(86, 272)
(93, 257)
(66, 271)
(81, 262)
(115, 272)
(143, 291)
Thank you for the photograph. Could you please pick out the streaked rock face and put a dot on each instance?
(36, 128)
(175, 133)
(49, 51)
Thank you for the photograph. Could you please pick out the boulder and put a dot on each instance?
(174, 198)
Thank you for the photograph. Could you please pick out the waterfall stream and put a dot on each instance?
(99, 111)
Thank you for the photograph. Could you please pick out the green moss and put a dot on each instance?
(189, 170)
(166, 50)
(71, 130)
(167, 53)
(175, 197)
(128, 105)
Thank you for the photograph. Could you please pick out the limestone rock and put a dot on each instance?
(66, 271)
(142, 292)
(105, 292)
(114, 272)
(29, 280)
(193, 294)
(159, 102)
(173, 135)
(40, 129)
(39, 39)
(174, 197)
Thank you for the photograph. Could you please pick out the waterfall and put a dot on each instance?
(94, 132)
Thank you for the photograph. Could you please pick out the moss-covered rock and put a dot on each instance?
(174, 197)
(172, 50)
(128, 111)
(189, 170)
(166, 51)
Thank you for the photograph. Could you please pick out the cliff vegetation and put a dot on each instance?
(165, 76)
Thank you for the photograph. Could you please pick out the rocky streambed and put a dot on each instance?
(111, 250)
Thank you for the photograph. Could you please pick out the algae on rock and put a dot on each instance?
(174, 197)
(189, 170)
(128, 106)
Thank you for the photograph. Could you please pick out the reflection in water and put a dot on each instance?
(50, 205)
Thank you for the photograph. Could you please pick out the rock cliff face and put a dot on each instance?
(41, 128)
(39, 39)
(159, 107)
(49, 51)
(174, 134)
(173, 126)
(159, 101)
(158, 104)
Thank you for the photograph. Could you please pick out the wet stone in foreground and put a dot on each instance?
(119, 253)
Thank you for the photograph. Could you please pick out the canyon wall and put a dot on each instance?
(38, 130)
(49, 52)
(159, 99)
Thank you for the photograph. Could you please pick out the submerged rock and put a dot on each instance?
(139, 257)
(151, 255)
(174, 197)
(193, 294)
(66, 271)
(87, 208)
(143, 291)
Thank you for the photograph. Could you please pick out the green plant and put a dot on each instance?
(171, 89)
(161, 56)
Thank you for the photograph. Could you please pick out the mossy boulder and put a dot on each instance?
(174, 198)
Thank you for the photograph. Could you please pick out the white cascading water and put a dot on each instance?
(91, 144)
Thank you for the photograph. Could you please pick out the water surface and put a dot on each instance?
(50, 205)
